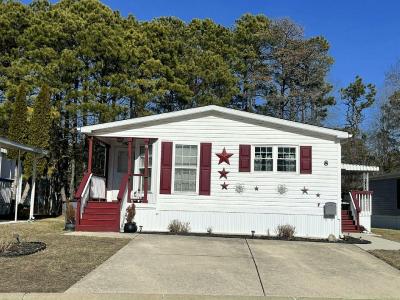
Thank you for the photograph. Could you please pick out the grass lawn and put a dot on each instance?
(389, 234)
(65, 261)
(392, 257)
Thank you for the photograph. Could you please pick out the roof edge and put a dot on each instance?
(213, 108)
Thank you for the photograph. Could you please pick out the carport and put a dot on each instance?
(37, 153)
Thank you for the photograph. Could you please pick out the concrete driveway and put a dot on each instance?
(163, 264)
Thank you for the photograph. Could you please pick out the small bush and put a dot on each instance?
(210, 230)
(70, 213)
(285, 232)
(130, 213)
(5, 246)
(177, 226)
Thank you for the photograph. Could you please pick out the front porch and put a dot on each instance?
(119, 173)
(356, 205)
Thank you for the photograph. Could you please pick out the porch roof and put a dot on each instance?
(360, 168)
(8, 144)
(216, 110)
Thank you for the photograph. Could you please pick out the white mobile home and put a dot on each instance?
(213, 167)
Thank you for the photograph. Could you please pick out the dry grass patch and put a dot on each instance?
(392, 257)
(389, 234)
(65, 261)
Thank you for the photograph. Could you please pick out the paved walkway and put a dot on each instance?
(377, 243)
(186, 265)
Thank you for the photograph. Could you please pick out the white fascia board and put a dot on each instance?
(90, 130)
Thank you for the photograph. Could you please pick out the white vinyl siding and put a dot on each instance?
(230, 133)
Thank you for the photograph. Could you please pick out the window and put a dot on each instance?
(263, 159)
(122, 161)
(141, 167)
(185, 168)
(286, 159)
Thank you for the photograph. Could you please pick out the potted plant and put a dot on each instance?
(130, 226)
(69, 217)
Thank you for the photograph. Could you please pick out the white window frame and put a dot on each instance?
(296, 159)
(197, 168)
(253, 155)
(137, 170)
(275, 158)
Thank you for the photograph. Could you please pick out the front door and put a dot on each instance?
(119, 170)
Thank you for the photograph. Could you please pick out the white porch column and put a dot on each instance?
(365, 181)
(32, 204)
(19, 186)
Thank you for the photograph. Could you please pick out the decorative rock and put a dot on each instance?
(332, 238)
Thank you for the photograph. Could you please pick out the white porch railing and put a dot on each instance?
(98, 187)
(123, 198)
(361, 208)
(85, 195)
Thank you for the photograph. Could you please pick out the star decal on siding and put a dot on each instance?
(304, 190)
(224, 186)
(318, 195)
(223, 173)
(224, 156)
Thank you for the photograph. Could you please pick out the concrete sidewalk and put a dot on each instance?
(119, 296)
(188, 265)
(377, 243)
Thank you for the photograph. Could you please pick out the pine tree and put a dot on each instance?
(39, 129)
(18, 129)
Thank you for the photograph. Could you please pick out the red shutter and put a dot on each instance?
(205, 169)
(166, 168)
(305, 159)
(244, 158)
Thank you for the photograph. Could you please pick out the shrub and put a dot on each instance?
(176, 226)
(285, 232)
(130, 213)
(5, 245)
(70, 213)
(209, 230)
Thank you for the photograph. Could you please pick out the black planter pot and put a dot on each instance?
(130, 227)
(70, 227)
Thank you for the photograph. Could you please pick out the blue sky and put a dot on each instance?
(364, 34)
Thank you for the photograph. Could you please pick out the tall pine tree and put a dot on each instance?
(39, 129)
(18, 129)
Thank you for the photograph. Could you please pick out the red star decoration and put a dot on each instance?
(224, 186)
(224, 156)
(223, 173)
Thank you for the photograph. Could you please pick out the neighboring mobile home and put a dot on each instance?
(219, 168)
(386, 204)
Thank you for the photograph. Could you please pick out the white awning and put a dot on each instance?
(360, 168)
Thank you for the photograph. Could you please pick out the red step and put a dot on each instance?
(99, 222)
(97, 228)
(100, 216)
(94, 204)
(347, 222)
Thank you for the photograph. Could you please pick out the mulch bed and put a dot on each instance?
(23, 248)
(345, 240)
